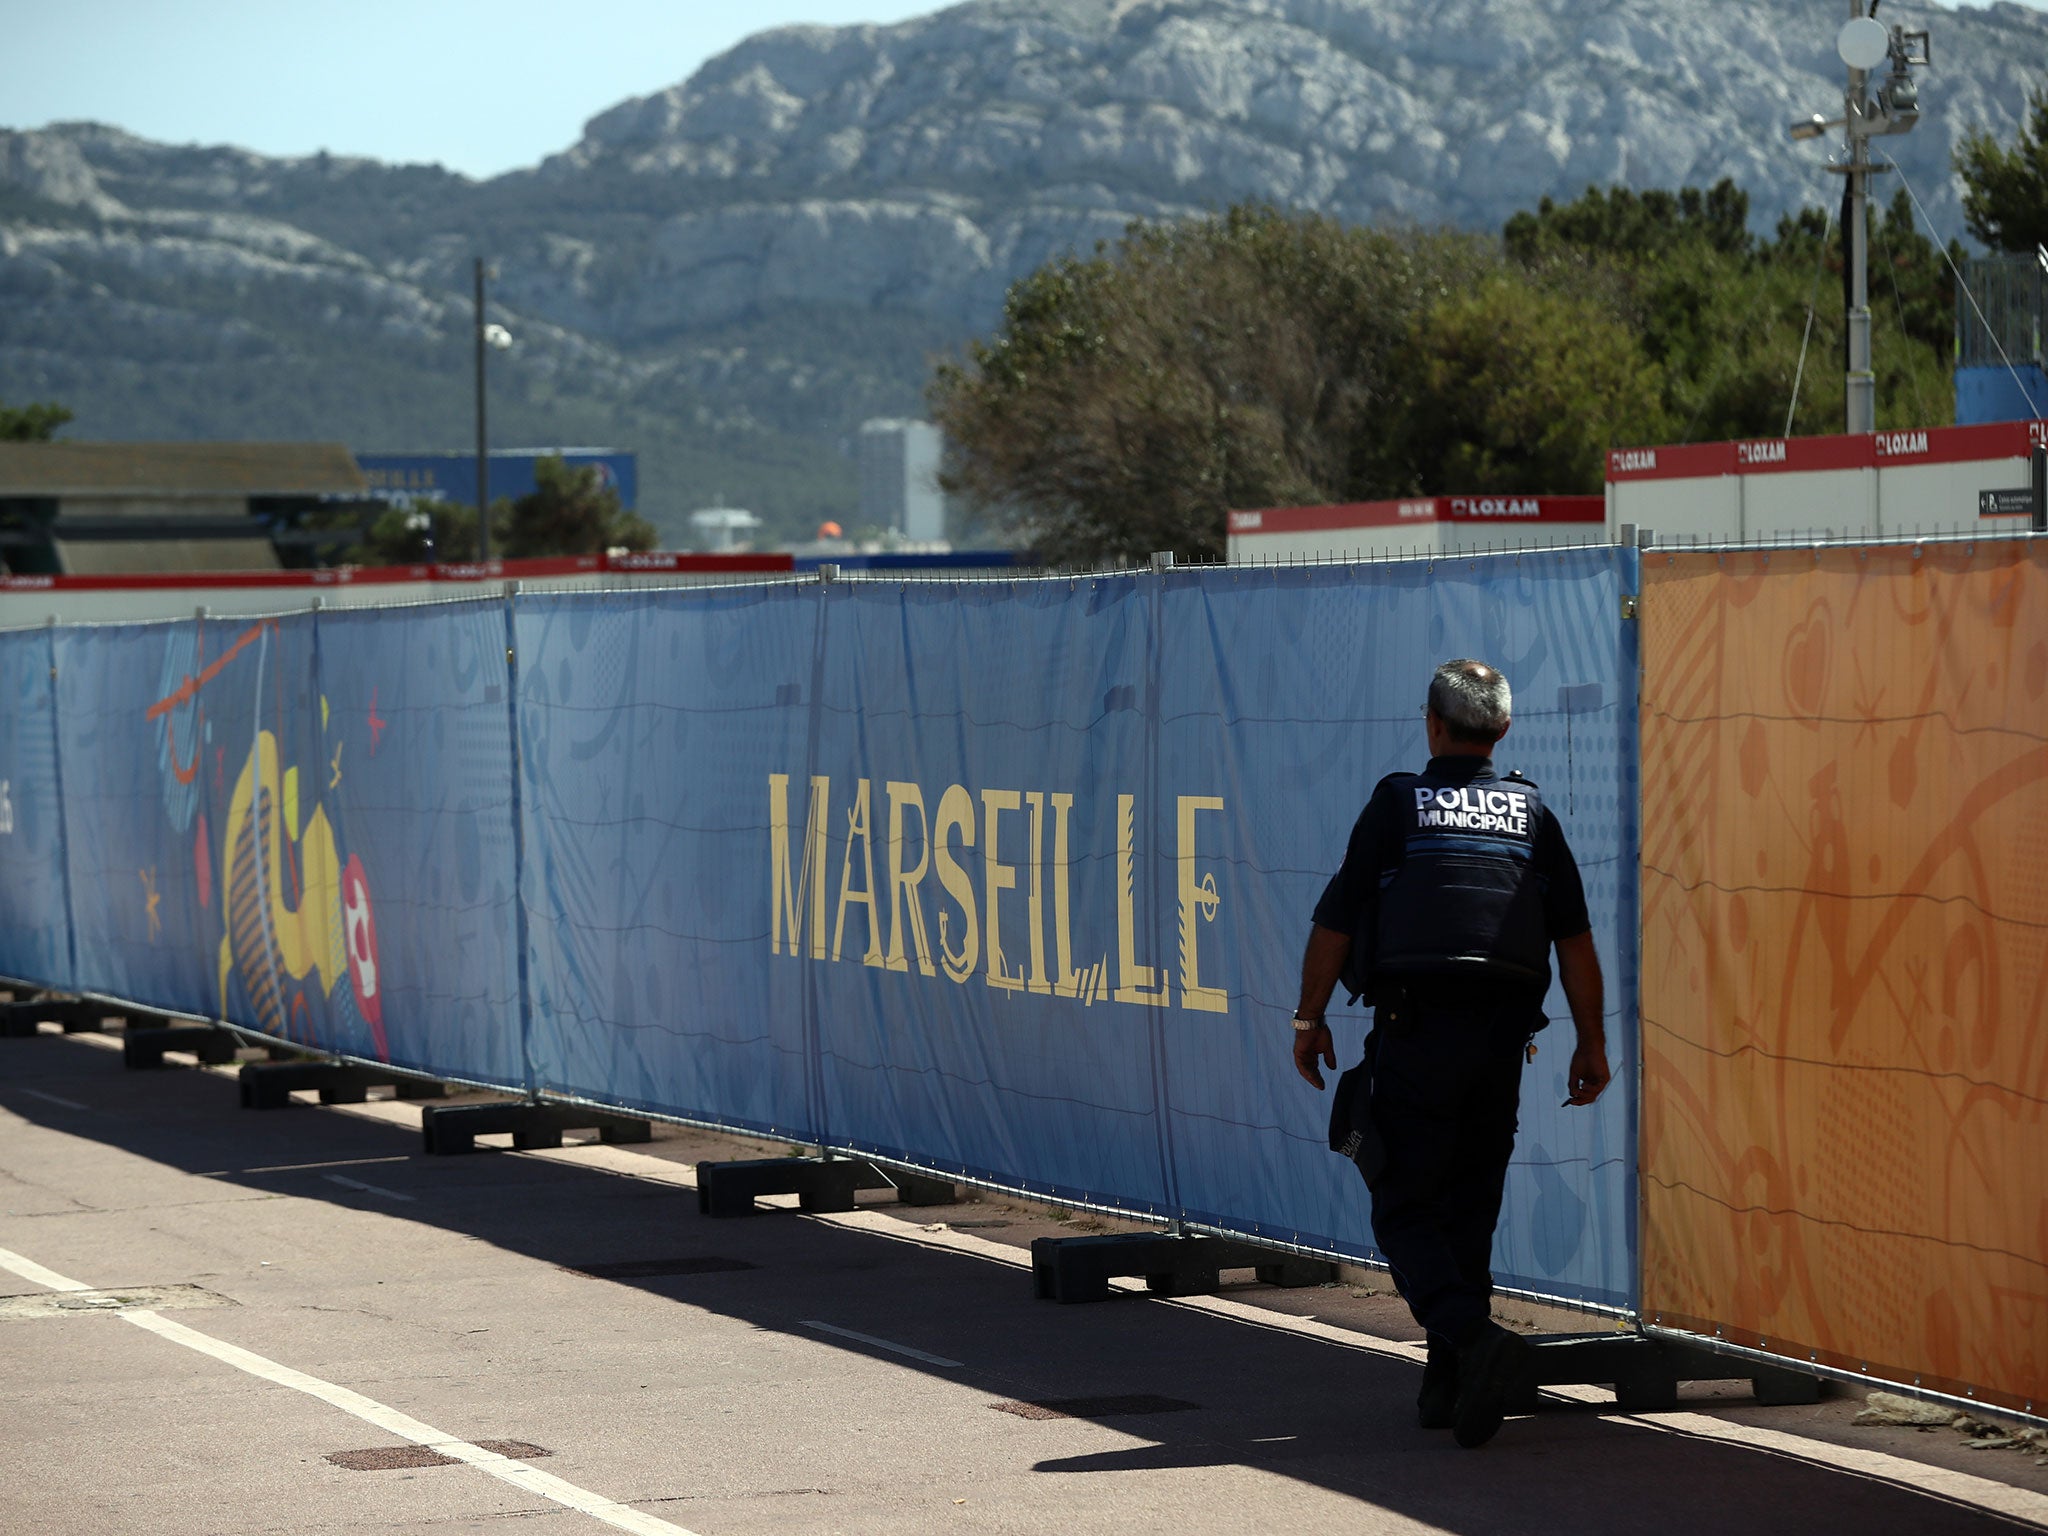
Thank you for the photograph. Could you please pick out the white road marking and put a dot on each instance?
(51, 1098)
(35, 1274)
(894, 1349)
(519, 1474)
(368, 1189)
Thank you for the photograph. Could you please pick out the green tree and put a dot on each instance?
(1619, 222)
(569, 512)
(411, 533)
(1251, 358)
(1517, 387)
(2005, 191)
(1724, 316)
(31, 423)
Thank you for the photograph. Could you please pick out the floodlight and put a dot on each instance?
(1863, 43)
(1809, 128)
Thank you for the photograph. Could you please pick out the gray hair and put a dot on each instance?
(1472, 700)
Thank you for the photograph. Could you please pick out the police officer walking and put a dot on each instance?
(1456, 884)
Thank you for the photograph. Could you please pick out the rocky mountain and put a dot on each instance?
(730, 274)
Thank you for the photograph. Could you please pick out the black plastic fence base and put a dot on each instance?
(144, 1047)
(270, 1084)
(19, 1020)
(450, 1128)
(1645, 1372)
(1070, 1269)
(84, 1018)
(819, 1183)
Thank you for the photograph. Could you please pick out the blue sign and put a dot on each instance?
(452, 476)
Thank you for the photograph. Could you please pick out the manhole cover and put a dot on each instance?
(154, 1298)
(389, 1458)
(654, 1269)
(1095, 1407)
(396, 1458)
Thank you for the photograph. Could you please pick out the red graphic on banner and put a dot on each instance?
(359, 928)
(202, 864)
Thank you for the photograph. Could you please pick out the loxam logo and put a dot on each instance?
(1495, 506)
(6, 809)
(1770, 451)
(1899, 445)
(1628, 461)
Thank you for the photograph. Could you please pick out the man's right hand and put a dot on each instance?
(1587, 1078)
(1308, 1045)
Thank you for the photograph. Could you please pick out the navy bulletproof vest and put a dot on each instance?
(1466, 898)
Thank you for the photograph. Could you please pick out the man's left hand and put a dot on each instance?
(1308, 1045)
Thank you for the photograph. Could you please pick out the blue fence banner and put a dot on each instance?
(977, 785)
(404, 763)
(140, 767)
(35, 911)
(1003, 880)
(648, 724)
(1284, 696)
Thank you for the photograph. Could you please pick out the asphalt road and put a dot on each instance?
(589, 1354)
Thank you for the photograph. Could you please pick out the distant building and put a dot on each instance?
(724, 530)
(97, 509)
(899, 478)
(452, 476)
(2002, 340)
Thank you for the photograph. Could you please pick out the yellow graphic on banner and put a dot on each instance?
(1019, 844)
(281, 893)
(1845, 958)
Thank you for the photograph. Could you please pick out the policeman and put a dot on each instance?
(1455, 886)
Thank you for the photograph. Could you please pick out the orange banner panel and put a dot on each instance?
(1845, 958)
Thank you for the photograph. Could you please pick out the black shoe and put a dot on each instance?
(1489, 1369)
(1437, 1406)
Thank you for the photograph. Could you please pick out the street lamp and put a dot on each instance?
(493, 338)
(1862, 45)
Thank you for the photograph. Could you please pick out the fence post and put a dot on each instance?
(70, 978)
(1162, 1094)
(518, 808)
(819, 1129)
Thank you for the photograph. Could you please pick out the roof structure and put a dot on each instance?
(170, 470)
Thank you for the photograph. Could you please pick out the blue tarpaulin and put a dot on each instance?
(35, 911)
(1006, 880)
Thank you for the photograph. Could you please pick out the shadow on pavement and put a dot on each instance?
(1300, 1407)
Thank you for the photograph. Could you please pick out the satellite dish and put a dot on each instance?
(1863, 43)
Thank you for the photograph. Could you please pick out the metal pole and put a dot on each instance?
(1861, 394)
(2039, 482)
(484, 461)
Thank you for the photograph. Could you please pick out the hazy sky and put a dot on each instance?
(482, 86)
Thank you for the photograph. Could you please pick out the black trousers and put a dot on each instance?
(1446, 1085)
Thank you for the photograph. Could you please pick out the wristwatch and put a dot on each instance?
(1304, 1025)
